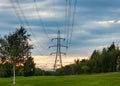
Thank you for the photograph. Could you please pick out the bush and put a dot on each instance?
(6, 70)
(85, 69)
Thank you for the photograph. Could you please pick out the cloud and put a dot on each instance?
(96, 23)
(45, 8)
(108, 23)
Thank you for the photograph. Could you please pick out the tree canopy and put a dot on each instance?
(15, 48)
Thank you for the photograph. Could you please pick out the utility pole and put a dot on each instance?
(58, 58)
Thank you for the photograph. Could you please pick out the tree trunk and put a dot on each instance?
(14, 74)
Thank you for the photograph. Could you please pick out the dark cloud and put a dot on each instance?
(96, 23)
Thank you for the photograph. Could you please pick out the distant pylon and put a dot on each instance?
(58, 52)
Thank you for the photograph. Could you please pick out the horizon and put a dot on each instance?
(47, 62)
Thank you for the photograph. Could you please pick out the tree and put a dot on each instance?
(112, 47)
(85, 69)
(94, 61)
(29, 67)
(6, 70)
(15, 47)
(77, 66)
(105, 61)
(118, 64)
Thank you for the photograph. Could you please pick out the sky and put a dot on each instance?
(87, 25)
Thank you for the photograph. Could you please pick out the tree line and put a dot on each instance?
(104, 61)
(107, 60)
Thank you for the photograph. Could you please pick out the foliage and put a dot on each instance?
(85, 69)
(13, 49)
(118, 63)
(38, 72)
(19, 71)
(29, 67)
(6, 70)
(107, 60)
(67, 70)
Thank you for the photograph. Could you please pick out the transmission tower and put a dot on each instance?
(58, 58)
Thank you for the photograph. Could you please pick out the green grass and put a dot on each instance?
(108, 79)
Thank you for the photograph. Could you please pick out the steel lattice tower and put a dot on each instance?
(58, 58)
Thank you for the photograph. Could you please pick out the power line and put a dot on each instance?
(25, 20)
(68, 22)
(66, 3)
(40, 19)
(70, 10)
(17, 12)
(57, 25)
(73, 20)
(70, 18)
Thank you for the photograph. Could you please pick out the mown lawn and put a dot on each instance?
(108, 79)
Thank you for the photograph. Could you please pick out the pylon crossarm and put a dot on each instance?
(63, 46)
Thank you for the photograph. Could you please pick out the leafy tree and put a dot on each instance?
(118, 64)
(76, 67)
(94, 62)
(15, 47)
(20, 71)
(38, 72)
(6, 70)
(59, 71)
(29, 67)
(106, 60)
(112, 47)
(85, 69)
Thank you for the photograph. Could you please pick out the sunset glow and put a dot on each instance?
(47, 62)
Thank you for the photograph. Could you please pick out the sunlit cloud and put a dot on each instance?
(97, 24)
(43, 15)
(108, 22)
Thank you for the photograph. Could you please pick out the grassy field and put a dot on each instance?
(109, 79)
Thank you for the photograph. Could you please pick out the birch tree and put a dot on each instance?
(16, 48)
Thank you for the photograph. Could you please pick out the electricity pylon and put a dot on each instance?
(58, 52)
